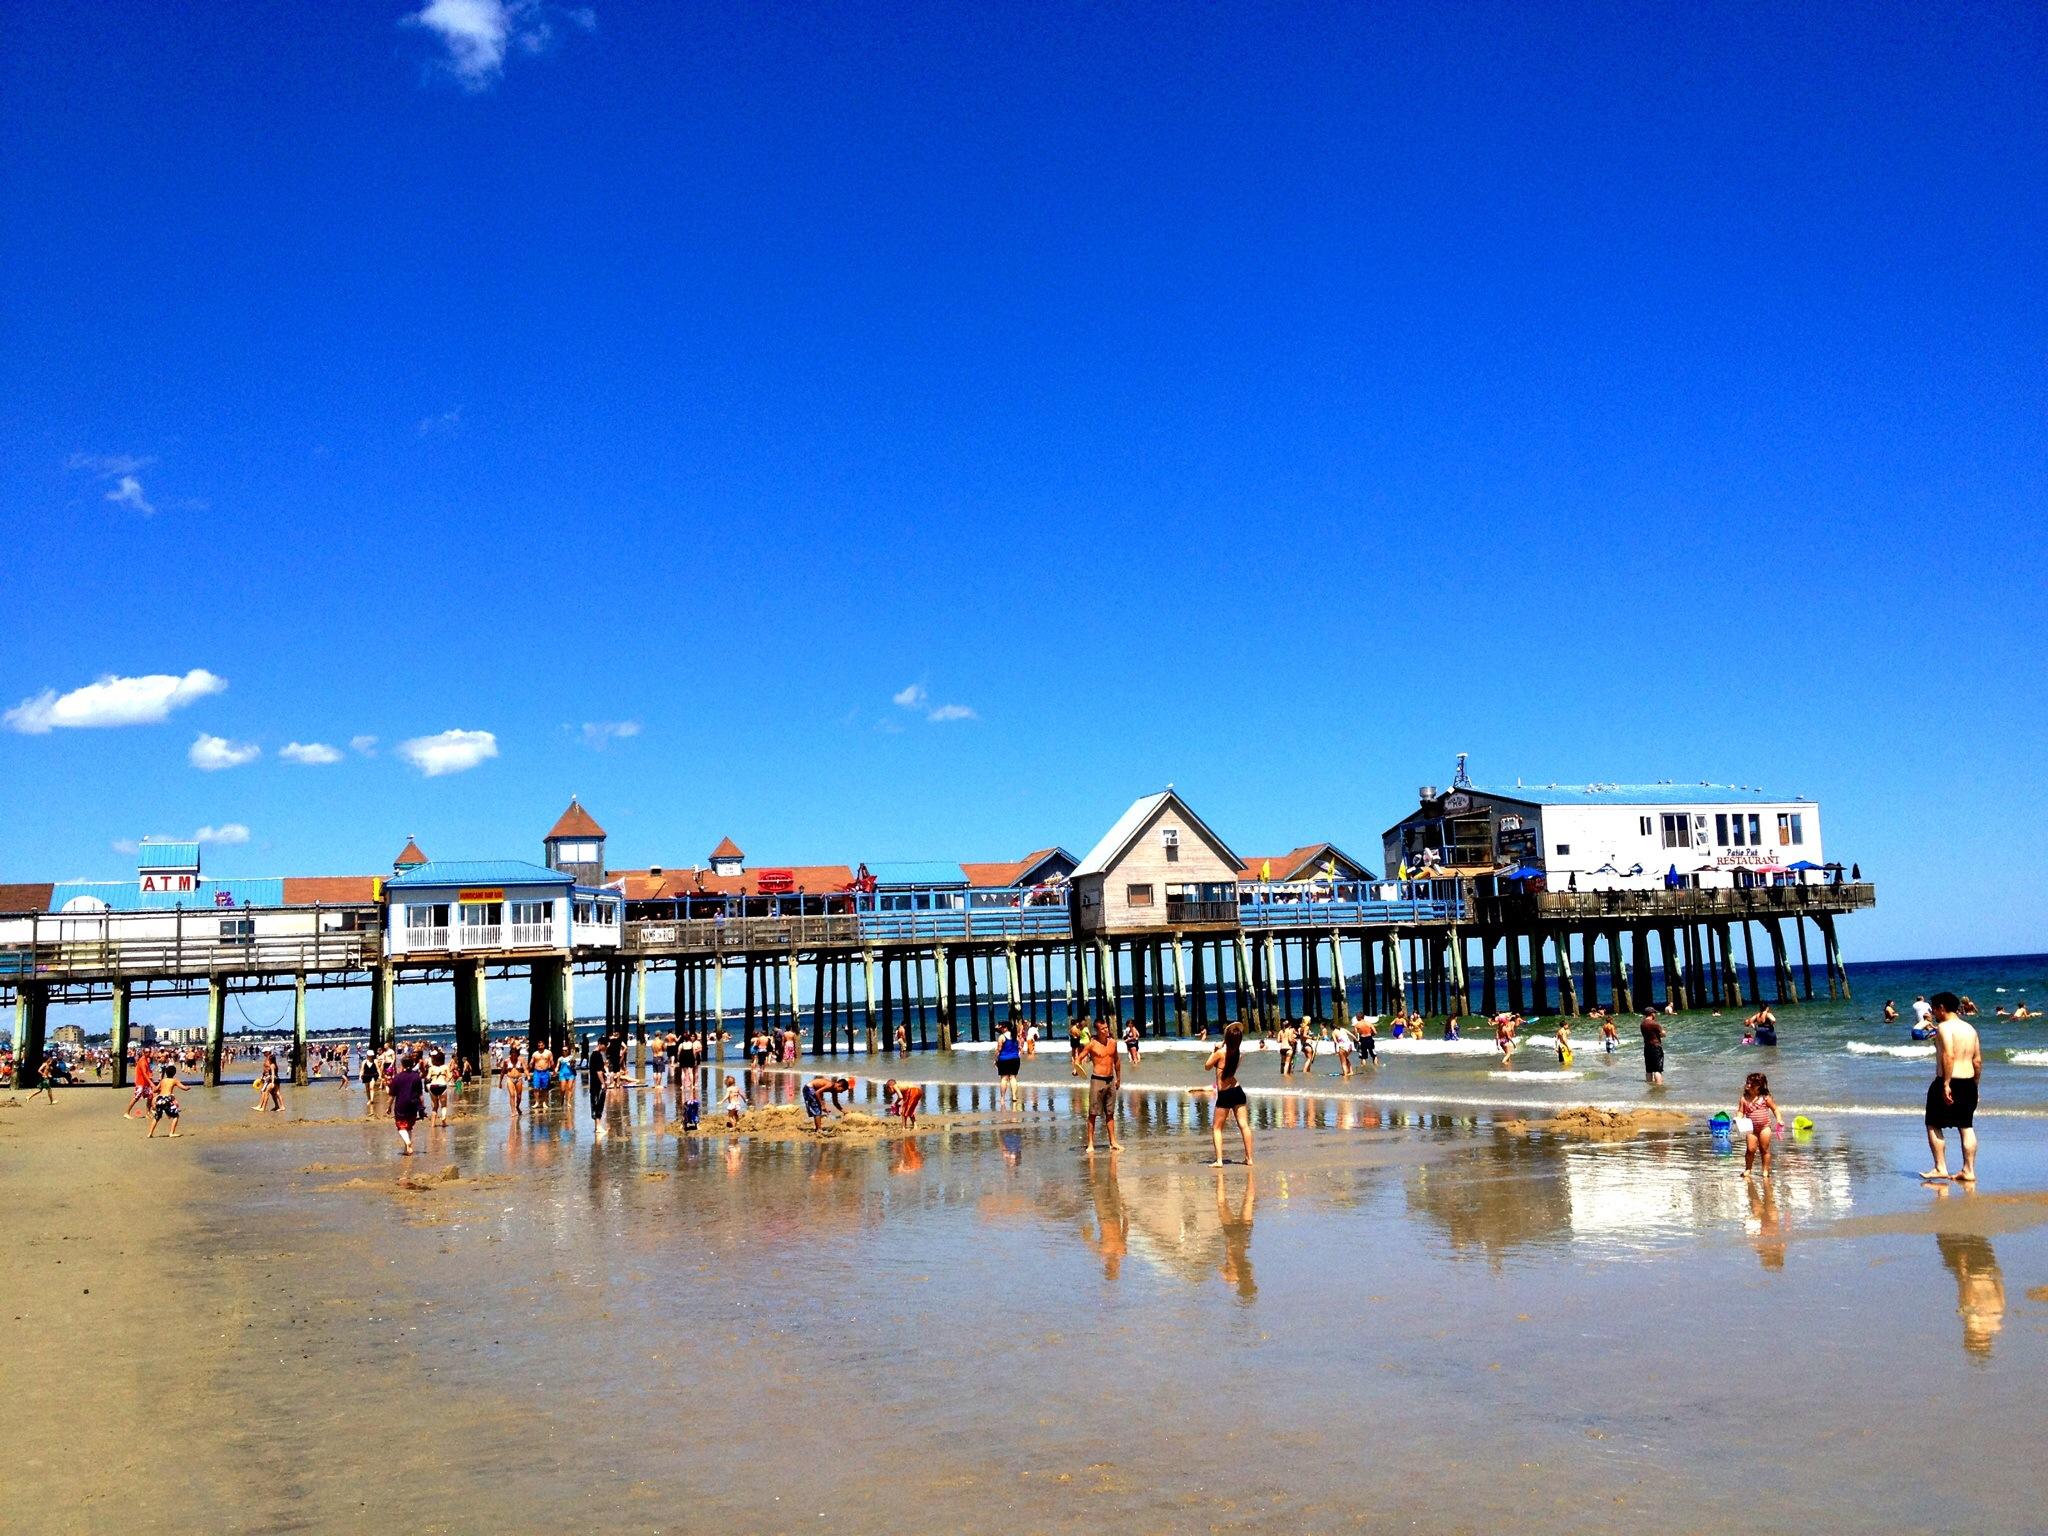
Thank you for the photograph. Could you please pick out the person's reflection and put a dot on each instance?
(1111, 1237)
(1766, 1226)
(908, 1156)
(1980, 1289)
(1237, 1235)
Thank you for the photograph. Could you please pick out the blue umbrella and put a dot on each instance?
(1521, 872)
(1673, 879)
(1803, 864)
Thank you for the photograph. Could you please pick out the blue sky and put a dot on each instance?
(1275, 400)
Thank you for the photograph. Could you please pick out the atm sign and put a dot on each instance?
(473, 898)
(172, 885)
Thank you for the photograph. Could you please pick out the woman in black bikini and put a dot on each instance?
(1229, 1096)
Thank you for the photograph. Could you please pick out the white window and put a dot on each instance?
(532, 914)
(576, 853)
(426, 916)
(1798, 829)
(1643, 825)
(1677, 829)
(1721, 829)
(583, 912)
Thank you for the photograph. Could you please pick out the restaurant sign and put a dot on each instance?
(1453, 804)
(477, 898)
(774, 882)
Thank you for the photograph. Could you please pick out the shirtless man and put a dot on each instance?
(1105, 1075)
(820, 1089)
(1952, 1096)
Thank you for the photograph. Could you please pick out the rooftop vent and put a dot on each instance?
(1427, 792)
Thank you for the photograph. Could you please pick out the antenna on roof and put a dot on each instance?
(1461, 779)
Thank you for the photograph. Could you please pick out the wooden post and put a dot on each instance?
(121, 1029)
(564, 1010)
(1489, 979)
(1340, 989)
(1826, 923)
(817, 998)
(973, 1000)
(1567, 985)
(867, 994)
(298, 1031)
(31, 1026)
(1731, 981)
(1539, 971)
(1676, 991)
(1781, 961)
(1514, 948)
(1112, 992)
(216, 1026)
(947, 998)
(1619, 986)
(1397, 975)
(1017, 989)
(1805, 963)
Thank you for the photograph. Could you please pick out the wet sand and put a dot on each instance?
(1397, 1319)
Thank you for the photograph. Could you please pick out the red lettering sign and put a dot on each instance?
(774, 882)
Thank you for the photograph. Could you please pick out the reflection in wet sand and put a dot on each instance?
(1980, 1289)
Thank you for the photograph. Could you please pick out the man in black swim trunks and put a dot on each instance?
(1952, 1096)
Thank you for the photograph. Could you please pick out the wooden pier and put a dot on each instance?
(851, 980)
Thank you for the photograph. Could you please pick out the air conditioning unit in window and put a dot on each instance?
(1169, 837)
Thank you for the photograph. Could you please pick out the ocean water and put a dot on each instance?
(1831, 1057)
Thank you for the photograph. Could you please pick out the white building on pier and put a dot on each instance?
(1595, 837)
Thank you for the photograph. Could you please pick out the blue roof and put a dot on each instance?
(127, 895)
(918, 872)
(167, 856)
(1634, 794)
(477, 872)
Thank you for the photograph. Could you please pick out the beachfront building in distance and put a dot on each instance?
(1487, 899)
(1159, 866)
(1611, 837)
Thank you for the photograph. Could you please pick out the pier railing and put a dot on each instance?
(1753, 901)
(149, 959)
(1354, 913)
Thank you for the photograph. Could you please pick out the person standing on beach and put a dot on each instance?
(1009, 1059)
(1230, 1099)
(1952, 1096)
(1105, 1076)
(46, 1077)
(1610, 1042)
(1756, 1116)
(165, 1105)
(145, 1088)
(440, 1076)
(1653, 1048)
(267, 1095)
(408, 1096)
(1077, 1043)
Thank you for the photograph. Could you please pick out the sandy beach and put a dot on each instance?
(1408, 1320)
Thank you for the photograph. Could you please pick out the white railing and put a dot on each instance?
(480, 936)
(533, 935)
(426, 938)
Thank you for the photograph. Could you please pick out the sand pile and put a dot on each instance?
(784, 1122)
(1596, 1124)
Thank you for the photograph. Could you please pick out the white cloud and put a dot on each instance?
(364, 745)
(128, 493)
(952, 712)
(443, 425)
(112, 701)
(222, 835)
(449, 752)
(109, 466)
(599, 734)
(314, 754)
(478, 33)
(213, 753)
(910, 697)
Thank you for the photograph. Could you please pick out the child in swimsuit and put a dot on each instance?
(1757, 1114)
(165, 1105)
